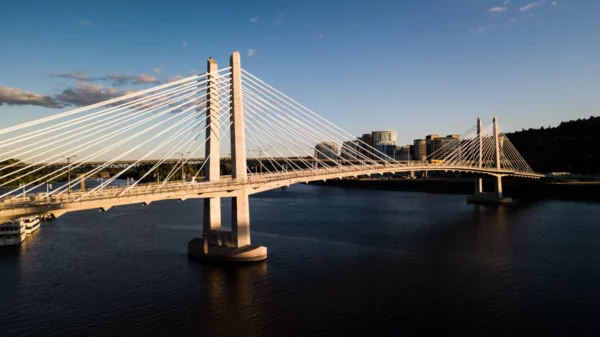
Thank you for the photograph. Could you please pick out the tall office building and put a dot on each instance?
(429, 144)
(350, 150)
(403, 153)
(420, 150)
(384, 142)
(326, 150)
(442, 147)
(366, 146)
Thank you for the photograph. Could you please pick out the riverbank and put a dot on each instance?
(516, 188)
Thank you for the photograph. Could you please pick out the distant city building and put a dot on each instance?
(403, 153)
(411, 152)
(442, 147)
(350, 150)
(420, 150)
(429, 144)
(326, 150)
(384, 142)
(366, 145)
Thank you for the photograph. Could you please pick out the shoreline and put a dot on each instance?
(515, 188)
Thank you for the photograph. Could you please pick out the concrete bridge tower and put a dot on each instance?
(496, 197)
(217, 244)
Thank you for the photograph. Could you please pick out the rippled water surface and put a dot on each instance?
(341, 262)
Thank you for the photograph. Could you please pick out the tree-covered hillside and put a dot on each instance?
(573, 146)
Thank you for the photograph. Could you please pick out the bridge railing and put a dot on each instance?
(256, 180)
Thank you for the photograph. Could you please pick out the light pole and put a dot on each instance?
(69, 175)
(48, 186)
(260, 151)
(182, 154)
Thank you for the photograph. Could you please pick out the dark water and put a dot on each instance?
(341, 262)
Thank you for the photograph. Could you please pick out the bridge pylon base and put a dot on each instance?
(248, 253)
(489, 198)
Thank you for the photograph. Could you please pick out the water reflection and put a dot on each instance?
(231, 286)
(342, 262)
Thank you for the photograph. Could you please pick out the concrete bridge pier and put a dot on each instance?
(216, 244)
(481, 197)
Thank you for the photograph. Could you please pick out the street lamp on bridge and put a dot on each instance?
(182, 154)
(69, 175)
(260, 151)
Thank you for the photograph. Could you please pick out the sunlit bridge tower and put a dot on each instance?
(490, 151)
(217, 244)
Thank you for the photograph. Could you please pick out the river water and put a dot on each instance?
(341, 262)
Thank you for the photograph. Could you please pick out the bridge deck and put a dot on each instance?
(226, 187)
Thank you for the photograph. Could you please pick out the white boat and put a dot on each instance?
(32, 223)
(11, 233)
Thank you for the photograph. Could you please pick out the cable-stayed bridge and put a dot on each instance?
(197, 120)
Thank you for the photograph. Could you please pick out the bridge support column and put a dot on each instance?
(495, 197)
(231, 246)
(212, 206)
(499, 186)
(479, 186)
(240, 218)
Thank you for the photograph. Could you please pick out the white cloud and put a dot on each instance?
(16, 96)
(480, 31)
(251, 52)
(531, 5)
(506, 2)
(184, 45)
(279, 18)
(86, 93)
(119, 79)
(84, 22)
(73, 75)
(497, 9)
(174, 78)
(194, 71)
(145, 79)
(158, 69)
(254, 19)
(320, 36)
(554, 3)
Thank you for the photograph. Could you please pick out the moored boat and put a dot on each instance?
(32, 223)
(11, 233)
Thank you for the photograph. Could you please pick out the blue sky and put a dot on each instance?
(416, 66)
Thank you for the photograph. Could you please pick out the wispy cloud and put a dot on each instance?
(84, 22)
(16, 96)
(254, 19)
(251, 52)
(119, 80)
(87, 93)
(76, 75)
(84, 93)
(194, 71)
(320, 36)
(480, 31)
(174, 78)
(506, 2)
(497, 9)
(145, 79)
(184, 45)
(279, 18)
(158, 69)
(531, 6)
(554, 3)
